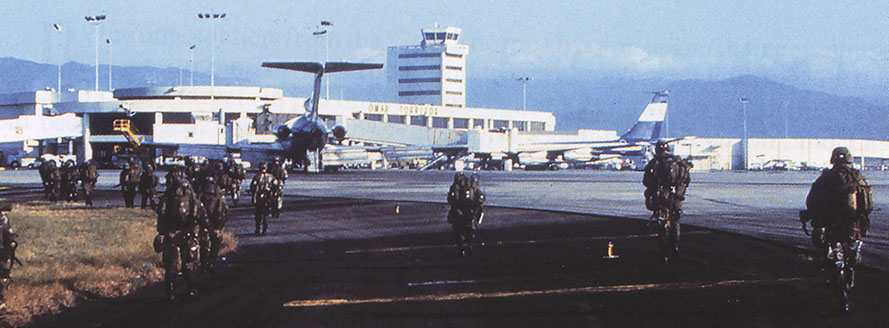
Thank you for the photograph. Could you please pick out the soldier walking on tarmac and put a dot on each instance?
(8, 244)
(178, 212)
(212, 222)
(129, 181)
(839, 205)
(264, 188)
(466, 212)
(278, 169)
(89, 175)
(666, 179)
(148, 186)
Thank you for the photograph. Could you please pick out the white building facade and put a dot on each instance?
(432, 73)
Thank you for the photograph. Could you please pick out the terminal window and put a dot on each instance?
(454, 93)
(373, 117)
(453, 68)
(440, 122)
(418, 120)
(420, 55)
(453, 55)
(420, 80)
(461, 123)
(419, 93)
(396, 119)
(521, 125)
(538, 126)
(501, 124)
(478, 123)
(419, 68)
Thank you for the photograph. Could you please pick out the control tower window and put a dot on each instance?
(430, 36)
(440, 36)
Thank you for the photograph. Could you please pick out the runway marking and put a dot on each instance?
(440, 282)
(575, 290)
(515, 242)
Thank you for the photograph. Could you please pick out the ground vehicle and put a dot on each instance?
(58, 159)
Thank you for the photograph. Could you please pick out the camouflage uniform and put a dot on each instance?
(466, 201)
(212, 222)
(89, 174)
(666, 179)
(839, 205)
(178, 212)
(68, 176)
(148, 186)
(265, 189)
(129, 181)
(278, 170)
(237, 174)
(52, 180)
(8, 245)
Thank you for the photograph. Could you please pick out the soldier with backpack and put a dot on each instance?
(666, 179)
(8, 244)
(52, 180)
(148, 186)
(212, 221)
(68, 176)
(129, 180)
(178, 212)
(89, 175)
(237, 174)
(466, 201)
(839, 205)
(265, 189)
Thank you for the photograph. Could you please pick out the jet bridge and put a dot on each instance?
(31, 127)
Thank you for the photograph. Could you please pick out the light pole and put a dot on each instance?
(744, 108)
(108, 41)
(323, 29)
(524, 81)
(59, 56)
(212, 17)
(96, 21)
(191, 65)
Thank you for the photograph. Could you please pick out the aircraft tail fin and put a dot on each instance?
(316, 67)
(649, 125)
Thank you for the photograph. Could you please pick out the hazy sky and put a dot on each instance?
(835, 46)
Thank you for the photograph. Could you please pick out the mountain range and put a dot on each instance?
(696, 107)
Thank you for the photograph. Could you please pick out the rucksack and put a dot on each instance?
(91, 173)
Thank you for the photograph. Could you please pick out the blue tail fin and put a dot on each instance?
(649, 125)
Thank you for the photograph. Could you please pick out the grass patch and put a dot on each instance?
(71, 253)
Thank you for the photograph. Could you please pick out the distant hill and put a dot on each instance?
(697, 107)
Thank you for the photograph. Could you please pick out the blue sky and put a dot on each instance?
(835, 46)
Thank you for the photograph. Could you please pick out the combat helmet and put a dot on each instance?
(661, 146)
(840, 155)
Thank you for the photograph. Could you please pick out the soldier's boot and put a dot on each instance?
(171, 295)
(265, 227)
(257, 226)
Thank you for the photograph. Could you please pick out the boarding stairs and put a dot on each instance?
(123, 126)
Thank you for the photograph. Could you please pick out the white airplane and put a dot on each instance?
(636, 140)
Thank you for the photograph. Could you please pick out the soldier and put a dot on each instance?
(68, 176)
(129, 180)
(178, 211)
(466, 201)
(89, 174)
(148, 186)
(264, 188)
(279, 171)
(8, 245)
(192, 169)
(839, 205)
(237, 174)
(666, 179)
(212, 222)
(51, 179)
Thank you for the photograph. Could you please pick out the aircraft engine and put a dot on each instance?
(339, 133)
(283, 133)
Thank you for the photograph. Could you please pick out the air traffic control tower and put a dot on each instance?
(433, 73)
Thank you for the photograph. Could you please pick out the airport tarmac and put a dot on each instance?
(342, 255)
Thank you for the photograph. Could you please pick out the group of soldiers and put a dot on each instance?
(192, 213)
(838, 207)
(60, 184)
(8, 244)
